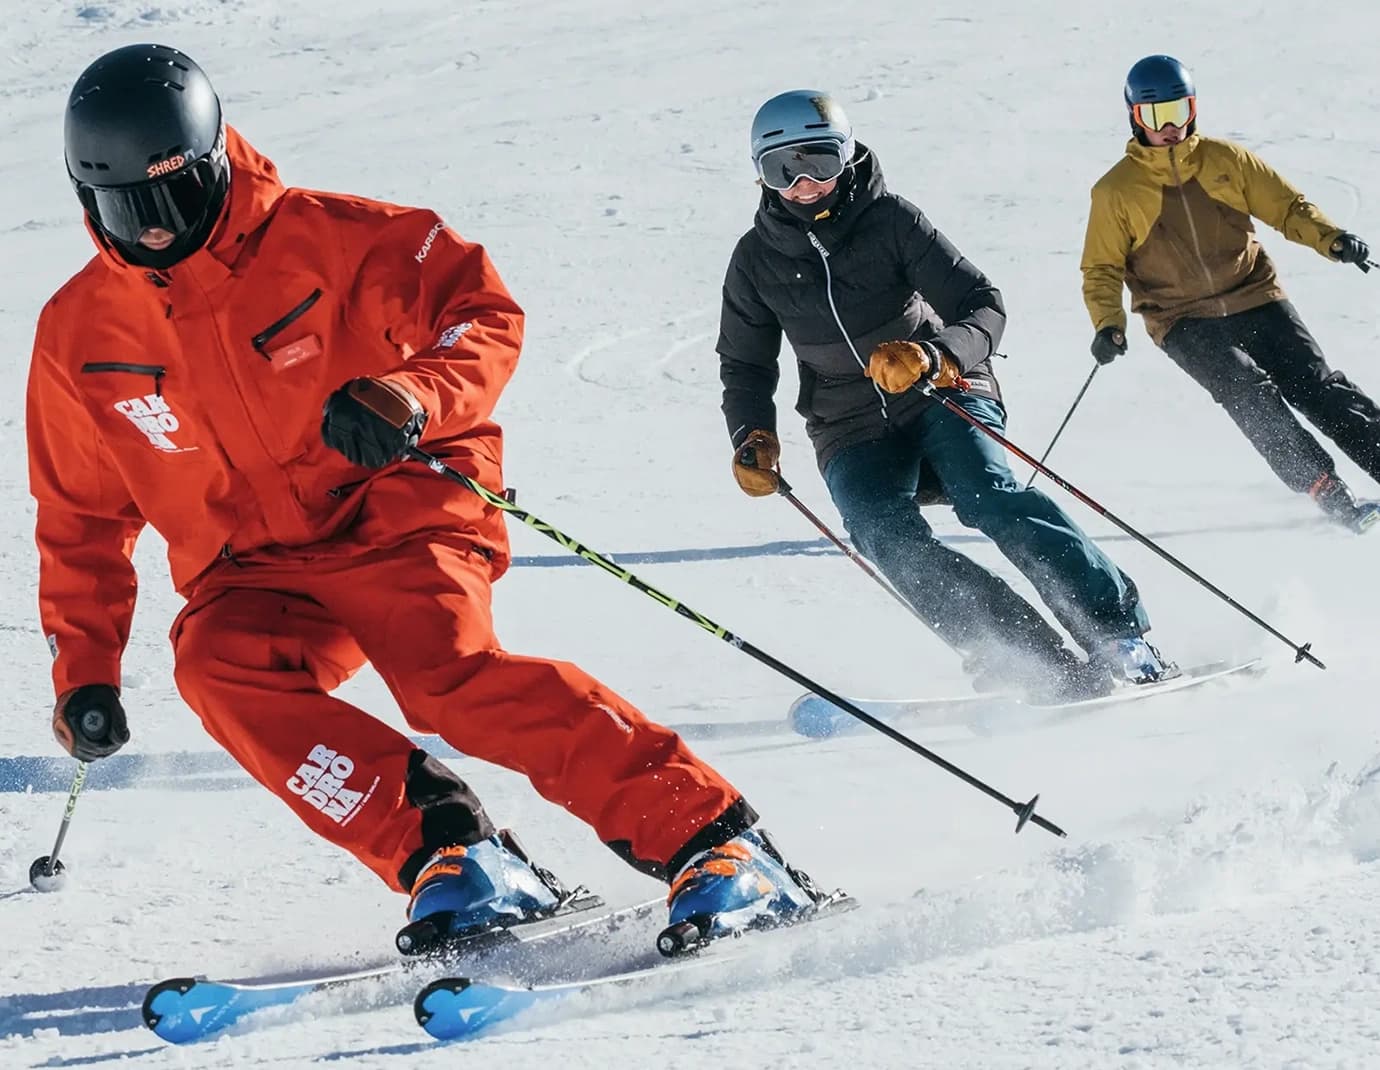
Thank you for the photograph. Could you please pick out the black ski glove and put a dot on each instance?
(372, 421)
(1108, 344)
(1350, 249)
(89, 722)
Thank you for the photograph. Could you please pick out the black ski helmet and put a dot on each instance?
(1157, 79)
(145, 147)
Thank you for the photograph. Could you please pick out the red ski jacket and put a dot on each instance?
(190, 399)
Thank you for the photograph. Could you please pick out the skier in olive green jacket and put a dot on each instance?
(1172, 222)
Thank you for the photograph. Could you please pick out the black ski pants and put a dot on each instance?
(1257, 364)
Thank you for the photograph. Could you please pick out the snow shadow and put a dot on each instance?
(819, 547)
(217, 771)
(74, 1012)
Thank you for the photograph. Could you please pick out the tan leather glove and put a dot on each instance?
(898, 366)
(754, 464)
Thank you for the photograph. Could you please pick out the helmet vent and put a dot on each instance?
(166, 154)
(163, 82)
(817, 126)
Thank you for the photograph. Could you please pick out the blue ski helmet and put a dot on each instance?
(797, 116)
(1155, 80)
(1158, 80)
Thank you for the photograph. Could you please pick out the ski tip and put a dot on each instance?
(815, 718)
(164, 1010)
(428, 1002)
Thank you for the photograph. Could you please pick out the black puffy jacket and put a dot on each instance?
(891, 276)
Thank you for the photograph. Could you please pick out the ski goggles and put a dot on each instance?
(820, 161)
(1157, 116)
(175, 204)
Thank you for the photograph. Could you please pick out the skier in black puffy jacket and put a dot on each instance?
(874, 300)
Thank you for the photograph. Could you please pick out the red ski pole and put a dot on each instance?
(1301, 653)
(784, 489)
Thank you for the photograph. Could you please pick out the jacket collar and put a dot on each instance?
(1172, 164)
(788, 234)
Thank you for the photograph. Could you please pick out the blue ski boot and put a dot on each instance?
(1132, 661)
(740, 885)
(462, 891)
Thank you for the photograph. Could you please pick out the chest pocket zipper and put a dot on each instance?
(155, 370)
(283, 323)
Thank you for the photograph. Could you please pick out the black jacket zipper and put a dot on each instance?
(262, 338)
(155, 370)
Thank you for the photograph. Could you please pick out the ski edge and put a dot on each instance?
(258, 994)
(493, 1002)
(813, 717)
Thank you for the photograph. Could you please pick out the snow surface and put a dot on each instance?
(1215, 902)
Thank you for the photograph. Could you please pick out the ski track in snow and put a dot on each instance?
(1301, 859)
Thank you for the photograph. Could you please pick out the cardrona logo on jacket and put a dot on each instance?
(152, 415)
(320, 781)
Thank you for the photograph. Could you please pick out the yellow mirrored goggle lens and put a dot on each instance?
(1166, 113)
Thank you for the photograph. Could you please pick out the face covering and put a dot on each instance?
(808, 213)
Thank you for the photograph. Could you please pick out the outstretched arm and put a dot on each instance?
(1106, 245)
(86, 529)
(1274, 201)
(749, 350)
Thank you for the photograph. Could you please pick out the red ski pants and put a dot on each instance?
(262, 642)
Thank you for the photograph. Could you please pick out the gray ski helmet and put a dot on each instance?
(800, 115)
(144, 143)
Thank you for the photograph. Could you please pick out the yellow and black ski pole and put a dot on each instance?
(1025, 812)
(47, 873)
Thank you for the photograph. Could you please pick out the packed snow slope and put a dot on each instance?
(1215, 901)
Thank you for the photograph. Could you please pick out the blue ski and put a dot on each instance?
(184, 1009)
(458, 1008)
(189, 1008)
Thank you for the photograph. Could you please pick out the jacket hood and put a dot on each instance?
(253, 193)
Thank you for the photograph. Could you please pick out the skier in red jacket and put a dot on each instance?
(178, 380)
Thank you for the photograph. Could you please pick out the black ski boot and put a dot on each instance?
(1336, 500)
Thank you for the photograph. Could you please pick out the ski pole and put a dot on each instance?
(46, 872)
(1050, 448)
(1301, 653)
(1025, 812)
(785, 491)
(748, 456)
